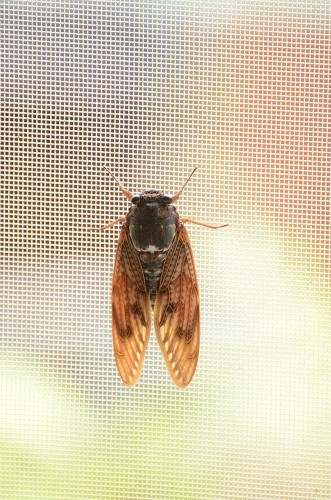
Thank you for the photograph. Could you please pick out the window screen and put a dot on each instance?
(153, 89)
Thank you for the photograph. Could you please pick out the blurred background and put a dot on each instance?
(153, 89)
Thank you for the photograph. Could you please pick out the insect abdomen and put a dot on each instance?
(152, 264)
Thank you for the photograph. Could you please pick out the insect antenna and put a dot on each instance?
(178, 194)
(126, 193)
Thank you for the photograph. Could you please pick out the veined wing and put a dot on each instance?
(131, 311)
(177, 311)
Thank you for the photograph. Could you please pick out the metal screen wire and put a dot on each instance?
(153, 89)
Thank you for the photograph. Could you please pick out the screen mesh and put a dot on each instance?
(154, 89)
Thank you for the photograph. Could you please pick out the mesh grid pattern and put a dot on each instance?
(153, 89)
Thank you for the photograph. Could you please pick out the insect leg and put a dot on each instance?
(120, 219)
(185, 219)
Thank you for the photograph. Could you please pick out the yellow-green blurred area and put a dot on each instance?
(152, 90)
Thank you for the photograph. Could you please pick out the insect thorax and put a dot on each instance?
(152, 228)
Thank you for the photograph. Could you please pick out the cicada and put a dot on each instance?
(154, 271)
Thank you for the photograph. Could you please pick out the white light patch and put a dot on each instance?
(31, 410)
(278, 333)
(151, 248)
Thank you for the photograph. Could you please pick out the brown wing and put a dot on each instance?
(131, 311)
(176, 313)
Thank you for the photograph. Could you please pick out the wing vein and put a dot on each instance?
(176, 312)
(131, 311)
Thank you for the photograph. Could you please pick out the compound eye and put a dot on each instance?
(135, 199)
(166, 198)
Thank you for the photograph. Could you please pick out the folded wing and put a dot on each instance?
(131, 311)
(177, 313)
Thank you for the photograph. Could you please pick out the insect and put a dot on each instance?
(154, 269)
